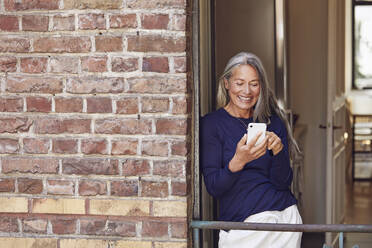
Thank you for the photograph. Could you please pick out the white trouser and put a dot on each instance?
(263, 239)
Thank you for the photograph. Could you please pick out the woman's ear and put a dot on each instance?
(226, 82)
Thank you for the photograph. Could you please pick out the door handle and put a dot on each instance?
(334, 127)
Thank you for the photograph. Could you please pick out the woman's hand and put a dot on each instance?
(245, 153)
(274, 143)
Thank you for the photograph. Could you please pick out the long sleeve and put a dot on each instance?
(262, 185)
(218, 178)
(281, 172)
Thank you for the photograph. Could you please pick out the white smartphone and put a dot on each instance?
(253, 129)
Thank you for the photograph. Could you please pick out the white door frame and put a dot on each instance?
(335, 102)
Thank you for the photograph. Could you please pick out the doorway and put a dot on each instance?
(227, 28)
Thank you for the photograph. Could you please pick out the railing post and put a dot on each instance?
(341, 240)
(196, 237)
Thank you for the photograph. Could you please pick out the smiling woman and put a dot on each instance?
(243, 89)
(251, 182)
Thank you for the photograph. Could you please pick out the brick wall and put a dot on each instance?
(93, 123)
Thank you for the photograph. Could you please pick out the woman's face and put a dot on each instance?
(243, 88)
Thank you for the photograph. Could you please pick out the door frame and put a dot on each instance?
(336, 101)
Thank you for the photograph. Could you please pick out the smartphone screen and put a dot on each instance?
(253, 129)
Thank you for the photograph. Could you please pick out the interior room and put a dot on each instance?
(318, 55)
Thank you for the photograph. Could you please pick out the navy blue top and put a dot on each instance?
(262, 185)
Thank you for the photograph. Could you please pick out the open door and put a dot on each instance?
(336, 111)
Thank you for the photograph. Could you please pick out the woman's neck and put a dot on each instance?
(239, 113)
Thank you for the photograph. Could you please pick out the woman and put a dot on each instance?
(251, 182)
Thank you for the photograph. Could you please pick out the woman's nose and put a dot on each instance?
(247, 88)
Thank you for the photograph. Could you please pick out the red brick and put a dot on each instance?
(171, 126)
(157, 4)
(123, 126)
(99, 105)
(16, 45)
(36, 145)
(180, 64)
(169, 168)
(178, 22)
(158, 229)
(124, 188)
(94, 64)
(11, 104)
(56, 126)
(147, 43)
(33, 65)
(38, 104)
(124, 147)
(92, 188)
(48, 85)
(8, 224)
(156, 85)
(14, 124)
(8, 64)
(63, 23)
(120, 228)
(88, 166)
(155, 64)
(33, 225)
(94, 146)
(65, 146)
(179, 188)
(179, 148)
(155, 21)
(15, 5)
(6, 185)
(92, 21)
(92, 226)
(109, 44)
(154, 189)
(64, 64)
(9, 145)
(60, 187)
(68, 104)
(180, 105)
(35, 23)
(155, 148)
(62, 44)
(127, 105)
(63, 225)
(132, 167)
(179, 230)
(92, 4)
(9, 23)
(91, 85)
(29, 165)
(155, 105)
(123, 21)
(123, 64)
(30, 186)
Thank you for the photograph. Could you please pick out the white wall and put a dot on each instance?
(245, 25)
(307, 62)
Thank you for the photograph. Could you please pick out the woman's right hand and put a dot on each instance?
(245, 153)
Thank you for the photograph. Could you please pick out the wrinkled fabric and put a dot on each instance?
(265, 239)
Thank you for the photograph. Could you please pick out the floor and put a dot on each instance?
(359, 211)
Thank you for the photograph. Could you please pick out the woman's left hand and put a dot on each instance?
(274, 143)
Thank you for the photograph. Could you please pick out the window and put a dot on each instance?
(362, 44)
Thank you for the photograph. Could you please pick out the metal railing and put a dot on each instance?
(335, 228)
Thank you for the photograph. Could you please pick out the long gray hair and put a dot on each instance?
(266, 104)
